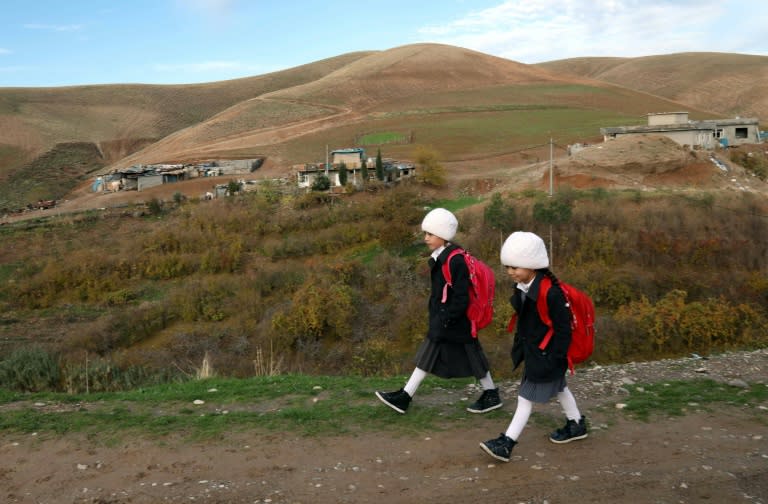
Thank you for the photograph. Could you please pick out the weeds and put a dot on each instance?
(675, 398)
(342, 285)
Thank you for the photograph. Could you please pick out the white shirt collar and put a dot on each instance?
(436, 253)
(525, 286)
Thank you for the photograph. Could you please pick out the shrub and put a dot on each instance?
(674, 326)
(30, 370)
(155, 206)
(374, 357)
(321, 183)
(98, 374)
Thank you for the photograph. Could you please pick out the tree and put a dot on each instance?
(321, 183)
(379, 166)
(499, 215)
(364, 172)
(343, 174)
(430, 171)
(233, 186)
(554, 210)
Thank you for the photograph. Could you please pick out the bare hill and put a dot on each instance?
(467, 105)
(413, 69)
(34, 120)
(377, 82)
(463, 103)
(728, 84)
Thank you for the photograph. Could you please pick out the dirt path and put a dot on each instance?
(718, 458)
(715, 454)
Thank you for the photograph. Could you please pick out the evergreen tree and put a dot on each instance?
(364, 172)
(343, 174)
(379, 166)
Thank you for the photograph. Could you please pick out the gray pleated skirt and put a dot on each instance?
(452, 360)
(541, 392)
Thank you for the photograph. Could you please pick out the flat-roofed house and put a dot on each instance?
(352, 158)
(706, 134)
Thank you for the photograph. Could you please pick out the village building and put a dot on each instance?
(706, 134)
(141, 177)
(394, 171)
(352, 158)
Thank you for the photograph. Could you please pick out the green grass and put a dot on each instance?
(369, 253)
(382, 138)
(312, 405)
(306, 405)
(457, 204)
(676, 398)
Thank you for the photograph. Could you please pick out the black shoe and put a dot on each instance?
(499, 448)
(398, 401)
(488, 401)
(570, 432)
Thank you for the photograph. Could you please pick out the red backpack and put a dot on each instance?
(582, 321)
(482, 287)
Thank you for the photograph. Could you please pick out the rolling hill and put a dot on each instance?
(466, 105)
(726, 84)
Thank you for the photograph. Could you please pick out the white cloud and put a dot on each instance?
(539, 30)
(5, 51)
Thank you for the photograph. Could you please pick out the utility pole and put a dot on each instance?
(326, 160)
(551, 194)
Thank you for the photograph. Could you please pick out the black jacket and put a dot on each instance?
(551, 363)
(448, 321)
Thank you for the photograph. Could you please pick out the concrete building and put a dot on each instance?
(352, 157)
(707, 134)
(394, 171)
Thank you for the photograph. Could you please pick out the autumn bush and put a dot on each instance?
(263, 282)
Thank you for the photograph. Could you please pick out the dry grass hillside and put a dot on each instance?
(379, 83)
(480, 113)
(34, 120)
(727, 84)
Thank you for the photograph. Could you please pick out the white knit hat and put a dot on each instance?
(524, 250)
(440, 222)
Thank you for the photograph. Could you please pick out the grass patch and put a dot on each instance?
(306, 405)
(676, 398)
(457, 204)
(385, 137)
(368, 254)
(311, 405)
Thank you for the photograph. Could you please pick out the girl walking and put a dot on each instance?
(448, 350)
(525, 257)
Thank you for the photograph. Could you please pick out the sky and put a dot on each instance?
(84, 42)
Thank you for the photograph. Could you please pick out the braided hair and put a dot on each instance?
(547, 272)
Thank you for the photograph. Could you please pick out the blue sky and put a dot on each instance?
(78, 42)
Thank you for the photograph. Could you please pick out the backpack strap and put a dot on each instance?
(447, 272)
(543, 309)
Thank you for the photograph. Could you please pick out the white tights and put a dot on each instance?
(525, 407)
(418, 376)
